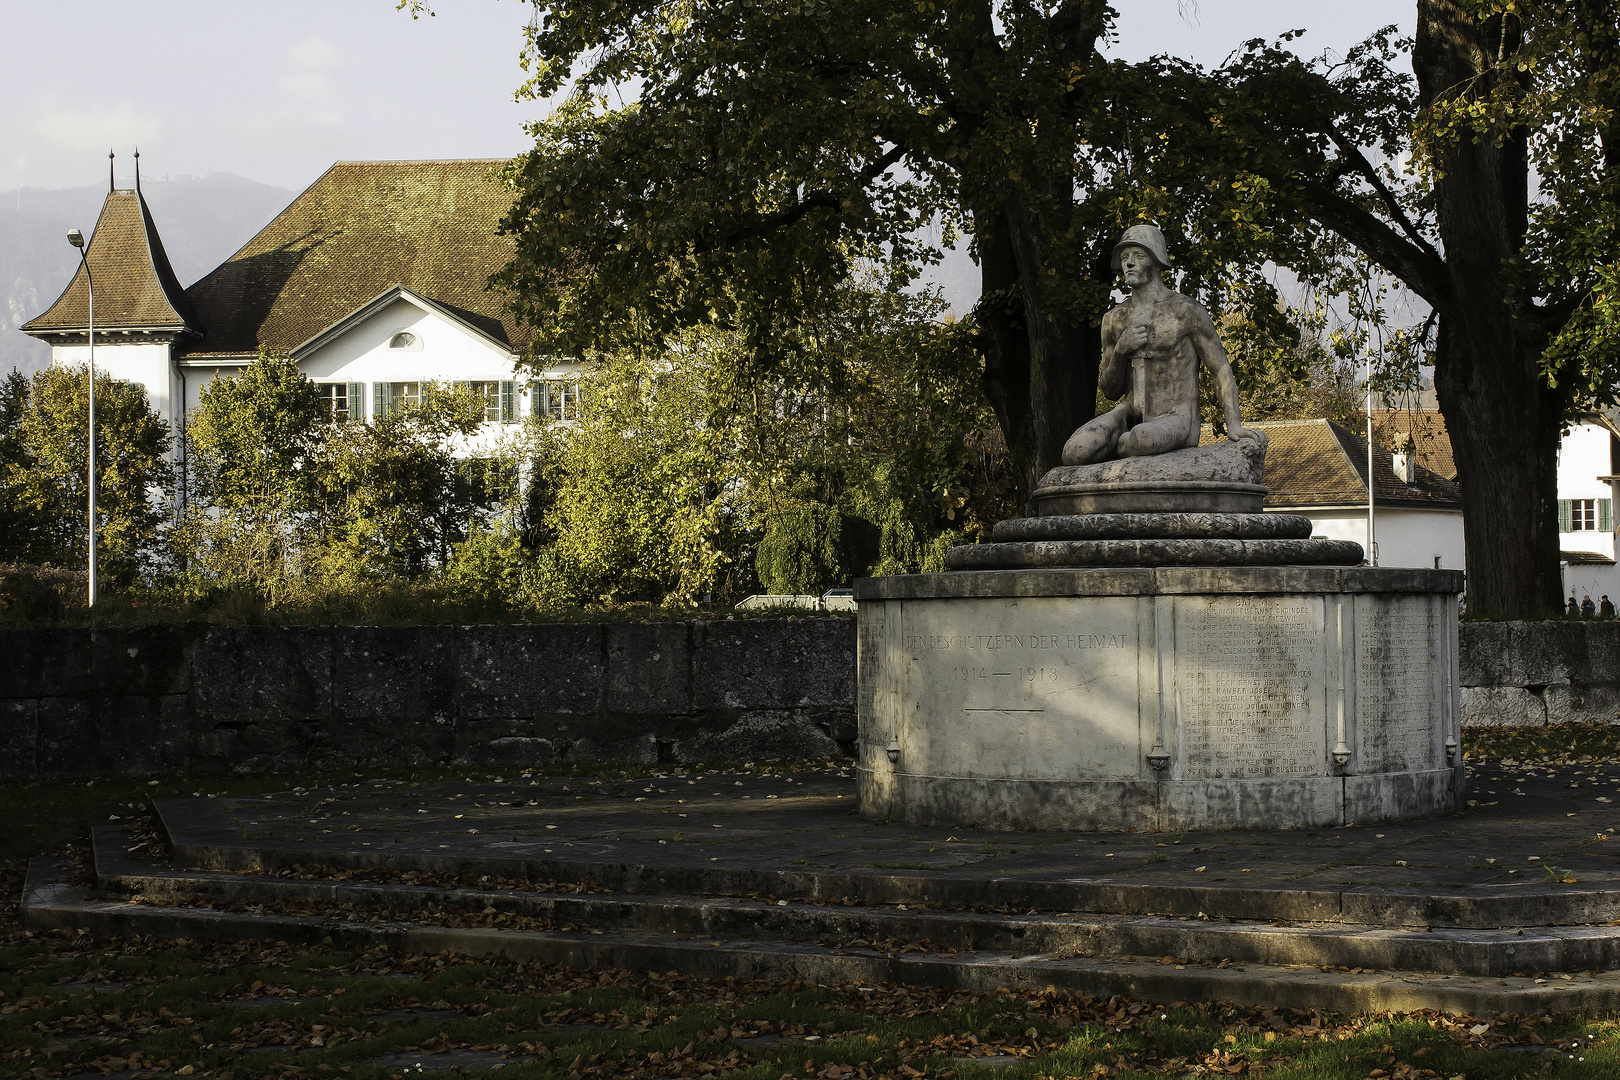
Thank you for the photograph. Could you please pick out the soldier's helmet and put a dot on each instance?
(1143, 236)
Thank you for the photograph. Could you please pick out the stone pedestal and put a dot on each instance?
(1222, 477)
(1170, 697)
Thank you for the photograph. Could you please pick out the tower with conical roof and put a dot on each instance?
(142, 313)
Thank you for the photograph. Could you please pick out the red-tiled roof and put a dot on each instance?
(358, 230)
(1320, 463)
(134, 285)
(1427, 429)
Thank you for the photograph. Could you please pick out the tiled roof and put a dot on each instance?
(1429, 436)
(135, 286)
(1585, 558)
(358, 230)
(1319, 463)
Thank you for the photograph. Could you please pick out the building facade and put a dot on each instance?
(1588, 461)
(373, 280)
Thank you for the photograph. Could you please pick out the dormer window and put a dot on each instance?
(403, 340)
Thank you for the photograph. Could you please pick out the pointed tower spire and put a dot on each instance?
(137, 170)
(111, 184)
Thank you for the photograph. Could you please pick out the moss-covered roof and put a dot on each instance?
(1427, 429)
(1320, 463)
(135, 287)
(358, 230)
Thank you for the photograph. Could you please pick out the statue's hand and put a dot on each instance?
(1240, 432)
(1133, 339)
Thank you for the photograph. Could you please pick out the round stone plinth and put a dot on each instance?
(1037, 554)
(1172, 698)
(1169, 526)
(1147, 497)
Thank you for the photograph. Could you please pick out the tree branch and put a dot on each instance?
(1423, 271)
(812, 200)
(1359, 164)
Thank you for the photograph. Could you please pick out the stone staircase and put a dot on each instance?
(1348, 951)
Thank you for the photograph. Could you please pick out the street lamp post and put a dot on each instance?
(1372, 537)
(76, 238)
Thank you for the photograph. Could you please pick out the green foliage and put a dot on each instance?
(732, 164)
(394, 496)
(644, 499)
(32, 595)
(488, 566)
(252, 437)
(17, 525)
(1489, 186)
(292, 509)
(803, 549)
(699, 471)
(1285, 370)
(45, 458)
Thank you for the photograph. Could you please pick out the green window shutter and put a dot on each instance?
(1605, 522)
(379, 400)
(1563, 515)
(508, 406)
(357, 402)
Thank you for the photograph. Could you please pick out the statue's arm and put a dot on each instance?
(1114, 374)
(1207, 344)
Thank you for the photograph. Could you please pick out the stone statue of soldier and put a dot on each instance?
(1152, 345)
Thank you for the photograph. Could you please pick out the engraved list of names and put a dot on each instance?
(1250, 676)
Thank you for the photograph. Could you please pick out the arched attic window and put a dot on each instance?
(404, 340)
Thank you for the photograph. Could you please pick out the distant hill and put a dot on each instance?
(202, 221)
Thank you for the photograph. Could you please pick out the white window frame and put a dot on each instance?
(555, 398)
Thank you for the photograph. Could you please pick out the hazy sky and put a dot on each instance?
(276, 91)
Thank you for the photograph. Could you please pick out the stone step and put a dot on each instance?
(1444, 951)
(51, 901)
(202, 836)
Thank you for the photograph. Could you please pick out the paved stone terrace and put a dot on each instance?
(1521, 820)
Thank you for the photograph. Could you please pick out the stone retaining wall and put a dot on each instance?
(1533, 673)
(197, 699)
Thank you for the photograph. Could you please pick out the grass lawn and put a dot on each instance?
(75, 1006)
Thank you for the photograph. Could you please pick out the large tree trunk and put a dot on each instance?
(1504, 420)
(1040, 370)
(1060, 390)
(1003, 340)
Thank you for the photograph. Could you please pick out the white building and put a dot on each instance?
(1588, 460)
(1587, 457)
(373, 280)
(1318, 469)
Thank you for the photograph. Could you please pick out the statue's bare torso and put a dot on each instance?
(1152, 346)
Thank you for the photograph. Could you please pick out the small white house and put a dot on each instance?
(1318, 469)
(1587, 459)
(373, 280)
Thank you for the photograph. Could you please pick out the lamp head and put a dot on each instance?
(76, 238)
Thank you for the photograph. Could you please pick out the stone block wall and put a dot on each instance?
(198, 699)
(1523, 674)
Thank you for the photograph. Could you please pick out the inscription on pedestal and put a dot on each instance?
(1397, 688)
(1251, 683)
(1047, 691)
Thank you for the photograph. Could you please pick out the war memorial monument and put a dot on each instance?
(1151, 650)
